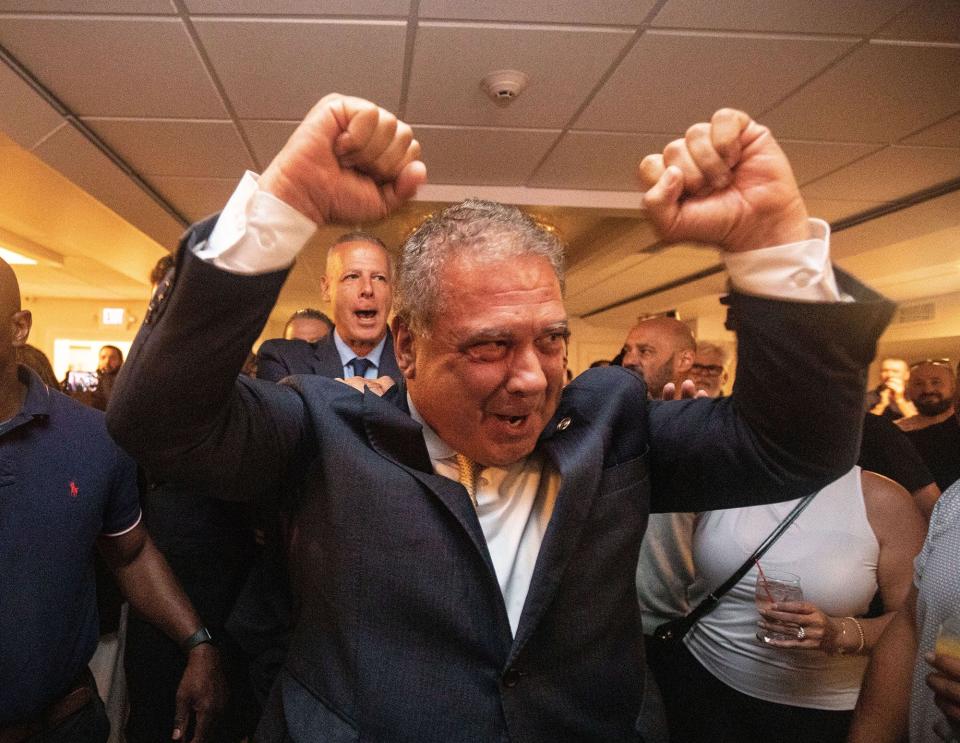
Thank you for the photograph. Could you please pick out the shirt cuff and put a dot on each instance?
(797, 271)
(124, 531)
(256, 232)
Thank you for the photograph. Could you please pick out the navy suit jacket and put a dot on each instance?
(279, 358)
(404, 634)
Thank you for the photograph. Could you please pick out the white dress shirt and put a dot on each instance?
(514, 505)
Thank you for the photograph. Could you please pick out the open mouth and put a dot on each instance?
(514, 421)
(365, 314)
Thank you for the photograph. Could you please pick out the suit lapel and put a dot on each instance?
(388, 360)
(397, 437)
(326, 359)
(579, 460)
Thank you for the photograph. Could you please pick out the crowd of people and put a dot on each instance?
(403, 522)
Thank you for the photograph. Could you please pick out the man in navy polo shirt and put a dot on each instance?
(65, 487)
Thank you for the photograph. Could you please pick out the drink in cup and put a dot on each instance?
(774, 588)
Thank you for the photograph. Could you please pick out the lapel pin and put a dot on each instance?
(564, 424)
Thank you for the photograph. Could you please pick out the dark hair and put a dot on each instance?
(309, 313)
(119, 352)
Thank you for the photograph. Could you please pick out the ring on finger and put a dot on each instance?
(801, 633)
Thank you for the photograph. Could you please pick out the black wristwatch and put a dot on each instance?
(199, 637)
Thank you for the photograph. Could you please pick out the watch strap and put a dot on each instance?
(199, 637)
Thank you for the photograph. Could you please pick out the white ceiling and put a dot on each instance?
(864, 95)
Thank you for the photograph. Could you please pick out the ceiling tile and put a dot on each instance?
(832, 210)
(888, 174)
(660, 85)
(926, 20)
(944, 134)
(638, 273)
(153, 7)
(279, 69)
(918, 223)
(880, 93)
(610, 12)
(187, 148)
(267, 137)
(563, 66)
(597, 160)
(115, 66)
(802, 16)
(810, 160)
(483, 157)
(195, 198)
(69, 152)
(301, 7)
(24, 115)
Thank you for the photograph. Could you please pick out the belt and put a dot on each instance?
(82, 692)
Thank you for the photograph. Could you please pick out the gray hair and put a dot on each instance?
(361, 237)
(481, 231)
(722, 351)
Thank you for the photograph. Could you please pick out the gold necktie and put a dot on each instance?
(467, 474)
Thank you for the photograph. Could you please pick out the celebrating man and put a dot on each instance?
(501, 606)
(357, 284)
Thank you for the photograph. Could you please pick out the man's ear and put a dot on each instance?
(21, 322)
(325, 289)
(405, 347)
(683, 362)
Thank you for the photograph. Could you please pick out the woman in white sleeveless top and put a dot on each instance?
(859, 533)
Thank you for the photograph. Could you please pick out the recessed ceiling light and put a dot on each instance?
(16, 259)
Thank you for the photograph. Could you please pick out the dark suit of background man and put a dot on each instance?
(502, 609)
(358, 285)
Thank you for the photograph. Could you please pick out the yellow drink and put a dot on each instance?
(948, 645)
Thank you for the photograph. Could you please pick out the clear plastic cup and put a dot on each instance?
(775, 587)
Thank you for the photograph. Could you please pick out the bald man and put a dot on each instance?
(662, 351)
(66, 488)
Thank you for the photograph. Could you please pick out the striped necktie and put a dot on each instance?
(467, 475)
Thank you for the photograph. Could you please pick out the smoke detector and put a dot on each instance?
(503, 86)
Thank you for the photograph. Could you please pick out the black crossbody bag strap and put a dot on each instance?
(675, 629)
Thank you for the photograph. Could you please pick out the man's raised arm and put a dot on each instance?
(802, 354)
(177, 406)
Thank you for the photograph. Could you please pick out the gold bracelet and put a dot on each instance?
(843, 635)
(863, 640)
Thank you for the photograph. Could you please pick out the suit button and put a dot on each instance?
(511, 677)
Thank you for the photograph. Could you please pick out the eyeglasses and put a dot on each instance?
(932, 362)
(708, 370)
